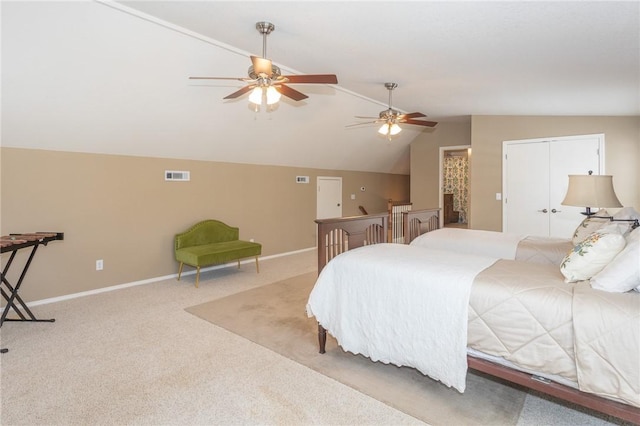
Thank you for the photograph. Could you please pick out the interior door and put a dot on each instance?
(535, 179)
(526, 193)
(329, 197)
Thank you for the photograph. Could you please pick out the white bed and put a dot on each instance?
(422, 307)
(428, 308)
(502, 245)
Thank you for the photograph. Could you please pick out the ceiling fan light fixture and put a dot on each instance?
(256, 96)
(389, 129)
(273, 96)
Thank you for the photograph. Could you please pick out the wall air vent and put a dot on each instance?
(177, 175)
(302, 179)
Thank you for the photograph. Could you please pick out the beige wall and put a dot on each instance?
(120, 209)
(622, 156)
(485, 134)
(425, 160)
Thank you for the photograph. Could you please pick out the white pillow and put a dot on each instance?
(589, 225)
(622, 273)
(591, 255)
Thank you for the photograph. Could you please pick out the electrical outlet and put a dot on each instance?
(99, 265)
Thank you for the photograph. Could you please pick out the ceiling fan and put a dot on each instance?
(390, 118)
(265, 80)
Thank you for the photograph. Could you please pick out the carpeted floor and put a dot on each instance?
(135, 356)
(274, 316)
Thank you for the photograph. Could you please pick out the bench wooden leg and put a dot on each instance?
(180, 270)
(197, 276)
(257, 265)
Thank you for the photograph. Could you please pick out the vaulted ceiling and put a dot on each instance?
(112, 77)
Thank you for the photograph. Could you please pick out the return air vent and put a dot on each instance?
(176, 175)
(302, 179)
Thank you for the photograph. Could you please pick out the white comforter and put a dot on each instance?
(471, 241)
(353, 301)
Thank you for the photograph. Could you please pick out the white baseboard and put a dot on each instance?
(153, 280)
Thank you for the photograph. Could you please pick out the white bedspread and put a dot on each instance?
(354, 301)
(471, 241)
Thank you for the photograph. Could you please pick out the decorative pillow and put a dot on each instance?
(622, 273)
(589, 225)
(591, 255)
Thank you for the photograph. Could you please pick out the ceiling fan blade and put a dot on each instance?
(360, 124)
(420, 122)
(218, 78)
(291, 93)
(312, 78)
(366, 118)
(262, 65)
(239, 93)
(413, 115)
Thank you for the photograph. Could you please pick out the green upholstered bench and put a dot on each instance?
(212, 242)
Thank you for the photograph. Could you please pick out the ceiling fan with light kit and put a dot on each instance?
(390, 118)
(266, 82)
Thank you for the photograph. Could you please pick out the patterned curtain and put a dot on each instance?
(456, 182)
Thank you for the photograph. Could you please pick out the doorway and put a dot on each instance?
(454, 185)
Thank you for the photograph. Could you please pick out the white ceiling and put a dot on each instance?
(451, 60)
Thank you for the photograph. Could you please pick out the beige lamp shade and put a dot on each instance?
(591, 191)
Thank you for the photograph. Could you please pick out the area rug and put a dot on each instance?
(274, 316)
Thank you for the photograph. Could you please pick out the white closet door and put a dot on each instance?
(527, 189)
(535, 179)
(569, 157)
(329, 197)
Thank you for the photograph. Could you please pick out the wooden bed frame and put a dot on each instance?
(336, 236)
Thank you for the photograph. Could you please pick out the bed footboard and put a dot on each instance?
(417, 222)
(339, 235)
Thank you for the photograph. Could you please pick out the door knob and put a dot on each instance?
(543, 211)
(556, 211)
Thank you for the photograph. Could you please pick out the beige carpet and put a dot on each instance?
(274, 317)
